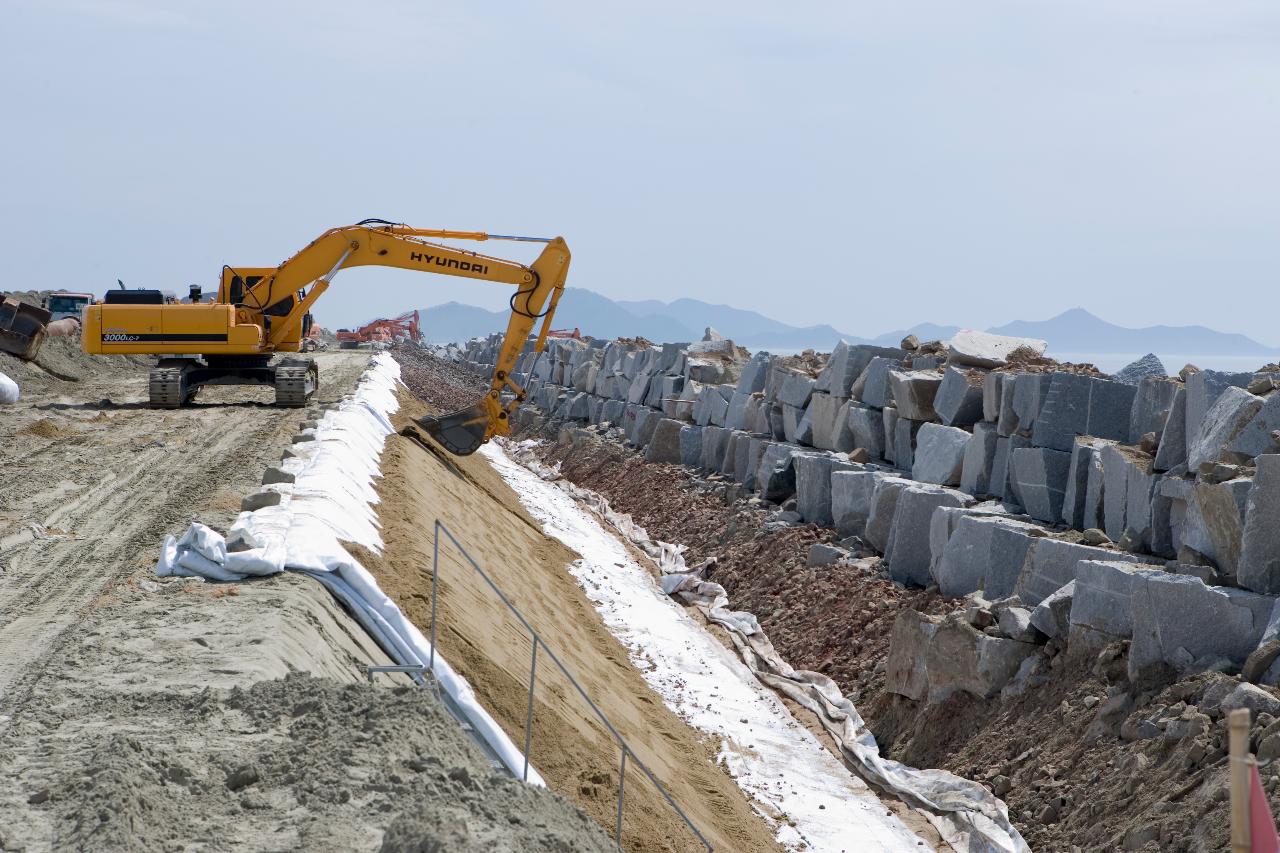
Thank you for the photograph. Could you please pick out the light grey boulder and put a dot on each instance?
(914, 392)
(958, 401)
(884, 503)
(890, 420)
(875, 381)
(1051, 564)
(1082, 405)
(754, 372)
(1177, 620)
(830, 423)
(715, 441)
(1084, 457)
(813, 485)
(664, 446)
(932, 658)
(1151, 407)
(1256, 438)
(979, 458)
(837, 376)
(907, 552)
(1215, 519)
(1127, 485)
(1041, 478)
(1172, 451)
(1221, 425)
(1029, 392)
(905, 431)
(1259, 567)
(735, 416)
(985, 349)
(866, 429)
(796, 390)
(984, 553)
(1002, 485)
(851, 498)
(992, 387)
(939, 454)
(691, 445)
(776, 476)
(1102, 610)
(1203, 388)
(1007, 422)
(1052, 615)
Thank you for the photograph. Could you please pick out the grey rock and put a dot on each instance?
(1221, 425)
(875, 381)
(992, 386)
(1082, 405)
(1149, 366)
(1052, 616)
(796, 390)
(907, 553)
(691, 445)
(1041, 478)
(1029, 392)
(776, 476)
(1256, 438)
(1177, 619)
(841, 369)
(1259, 565)
(958, 401)
(1007, 422)
(664, 446)
(866, 429)
(1102, 610)
(735, 416)
(1051, 563)
(939, 454)
(984, 552)
(884, 503)
(1151, 407)
(1084, 456)
(275, 474)
(821, 554)
(1173, 440)
(754, 373)
(830, 423)
(1203, 388)
(914, 392)
(260, 499)
(851, 493)
(890, 420)
(1002, 485)
(979, 458)
(1250, 696)
(905, 431)
(1214, 522)
(813, 485)
(984, 349)
(1015, 623)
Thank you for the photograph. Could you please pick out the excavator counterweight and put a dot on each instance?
(264, 312)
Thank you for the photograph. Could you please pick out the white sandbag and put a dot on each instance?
(9, 392)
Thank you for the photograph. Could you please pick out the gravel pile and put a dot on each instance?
(442, 385)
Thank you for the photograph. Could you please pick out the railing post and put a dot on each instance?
(528, 714)
(435, 576)
(622, 781)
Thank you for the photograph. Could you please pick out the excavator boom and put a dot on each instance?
(261, 311)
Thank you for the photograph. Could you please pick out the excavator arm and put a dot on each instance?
(288, 294)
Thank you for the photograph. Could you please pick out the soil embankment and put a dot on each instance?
(572, 750)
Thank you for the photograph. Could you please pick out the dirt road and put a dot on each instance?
(139, 713)
(91, 480)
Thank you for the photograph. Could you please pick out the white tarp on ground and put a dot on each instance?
(802, 788)
(331, 500)
(965, 813)
(8, 390)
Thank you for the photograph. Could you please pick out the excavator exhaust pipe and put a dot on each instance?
(22, 328)
(461, 432)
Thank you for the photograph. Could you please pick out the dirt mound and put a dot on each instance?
(62, 360)
(45, 428)
(314, 749)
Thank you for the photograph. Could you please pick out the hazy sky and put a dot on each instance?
(870, 165)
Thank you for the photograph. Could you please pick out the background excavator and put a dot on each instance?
(385, 331)
(262, 312)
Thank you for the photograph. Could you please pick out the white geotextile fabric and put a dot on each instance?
(8, 390)
(968, 816)
(332, 499)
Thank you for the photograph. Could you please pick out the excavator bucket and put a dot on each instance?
(22, 328)
(461, 432)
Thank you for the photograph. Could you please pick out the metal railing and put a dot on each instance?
(628, 754)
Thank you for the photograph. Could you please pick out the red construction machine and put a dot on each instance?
(382, 330)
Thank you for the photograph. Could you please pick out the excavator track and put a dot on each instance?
(169, 387)
(296, 381)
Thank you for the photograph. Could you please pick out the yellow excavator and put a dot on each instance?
(261, 312)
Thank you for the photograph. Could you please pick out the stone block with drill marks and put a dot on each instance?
(1041, 477)
(1221, 425)
(939, 454)
(914, 393)
(875, 381)
(813, 485)
(979, 459)
(830, 423)
(907, 553)
(984, 553)
(1151, 406)
(959, 401)
(866, 429)
(1075, 404)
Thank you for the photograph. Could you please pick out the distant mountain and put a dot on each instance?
(1078, 331)
(923, 331)
(601, 317)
